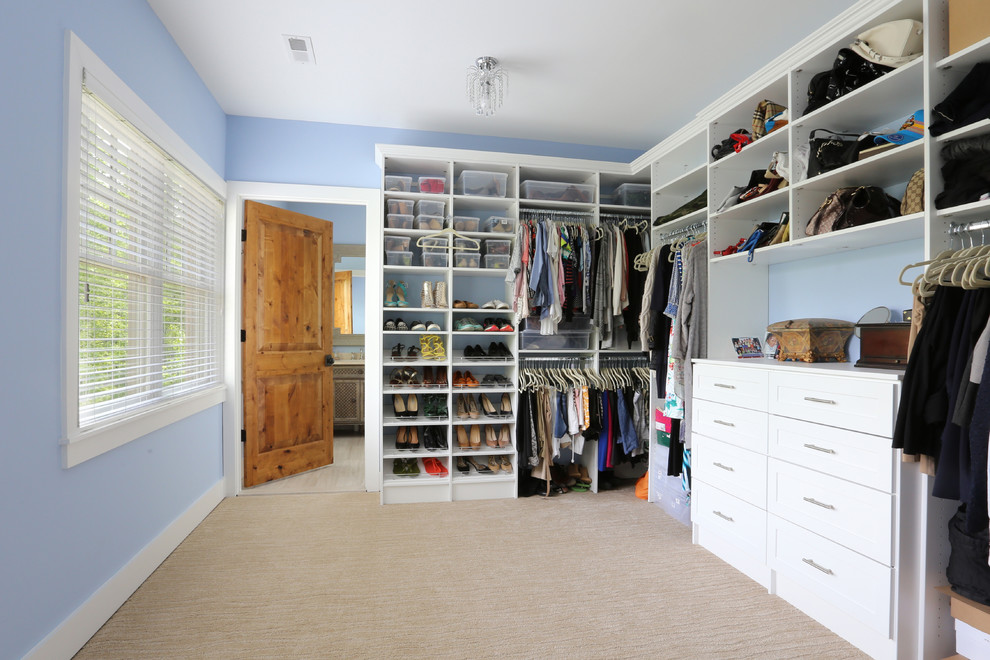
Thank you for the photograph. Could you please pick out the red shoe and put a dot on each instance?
(504, 326)
(434, 467)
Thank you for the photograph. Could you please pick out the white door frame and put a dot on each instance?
(233, 409)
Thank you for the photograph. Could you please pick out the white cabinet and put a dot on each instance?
(822, 482)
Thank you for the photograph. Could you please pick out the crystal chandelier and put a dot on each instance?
(485, 85)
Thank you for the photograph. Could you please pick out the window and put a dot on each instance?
(145, 268)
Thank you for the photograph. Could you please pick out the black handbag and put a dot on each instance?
(832, 152)
(849, 72)
(732, 144)
(852, 207)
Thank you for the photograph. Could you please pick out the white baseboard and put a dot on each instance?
(70, 635)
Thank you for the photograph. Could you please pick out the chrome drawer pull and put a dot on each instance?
(816, 400)
(723, 516)
(724, 386)
(812, 500)
(718, 421)
(821, 449)
(724, 467)
(827, 571)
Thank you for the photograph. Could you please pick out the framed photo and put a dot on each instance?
(747, 347)
(770, 346)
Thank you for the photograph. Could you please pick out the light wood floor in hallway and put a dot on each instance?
(345, 475)
(578, 575)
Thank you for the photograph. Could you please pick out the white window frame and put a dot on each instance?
(80, 445)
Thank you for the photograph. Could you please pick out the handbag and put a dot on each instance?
(732, 144)
(783, 233)
(852, 207)
(765, 111)
(914, 196)
(831, 153)
(849, 72)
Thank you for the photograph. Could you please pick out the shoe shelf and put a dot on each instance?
(421, 420)
(413, 270)
(479, 272)
(476, 477)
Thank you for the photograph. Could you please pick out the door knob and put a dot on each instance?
(327, 360)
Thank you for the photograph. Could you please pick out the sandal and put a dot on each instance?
(400, 293)
(397, 351)
(412, 353)
(411, 376)
(389, 297)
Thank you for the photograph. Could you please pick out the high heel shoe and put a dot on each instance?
(493, 464)
(397, 351)
(462, 412)
(462, 438)
(401, 438)
(462, 465)
(490, 438)
(506, 405)
(441, 376)
(412, 353)
(480, 467)
(428, 375)
(487, 406)
(412, 434)
(412, 406)
(390, 294)
(472, 407)
(400, 293)
(440, 295)
(475, 434)
(504, 437)
(398, 405)
(506, 464)
(426, 297)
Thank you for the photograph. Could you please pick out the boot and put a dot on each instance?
(440, 295)
(426, 298)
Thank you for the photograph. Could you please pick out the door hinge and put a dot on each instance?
(243, 335)
(243, 235)
(243, 435)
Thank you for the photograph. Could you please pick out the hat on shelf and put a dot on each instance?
(894, 43)
(911, 130)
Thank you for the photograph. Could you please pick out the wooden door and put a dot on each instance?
(343, 319)
(288, 334)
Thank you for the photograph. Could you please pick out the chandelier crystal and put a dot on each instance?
(486, 82)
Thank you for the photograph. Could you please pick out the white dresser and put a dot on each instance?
(796, 485)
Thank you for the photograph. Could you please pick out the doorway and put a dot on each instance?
(356, 213)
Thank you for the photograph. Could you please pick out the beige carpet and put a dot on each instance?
(338, 576)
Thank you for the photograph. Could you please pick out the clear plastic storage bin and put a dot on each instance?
(398, 258)
(400, 206)
(435, 259)
(497, 246)
(429, 222)
(558, 192)
(466, 223)
(396, 243)
(498, 225)
(482, 184)
(633, 194)
(398, 183)
(467, 244)
(432, 244)
(429, 207)
(467, 259)
(564, 340)
(432, 184)
(496, 261)
(399, 221)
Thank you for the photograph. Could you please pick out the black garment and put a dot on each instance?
(967, 103)
(675, 460)
(966, 171)
(635, 284)
(660, 332)
(923, 409)
(975, 497)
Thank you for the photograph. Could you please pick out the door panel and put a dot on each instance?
(288, 331)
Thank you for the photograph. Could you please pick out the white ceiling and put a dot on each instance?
(621, 73)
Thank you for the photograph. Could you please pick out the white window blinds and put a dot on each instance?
(150, 273)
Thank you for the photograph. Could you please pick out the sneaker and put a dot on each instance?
(503, 325)
(491, 325)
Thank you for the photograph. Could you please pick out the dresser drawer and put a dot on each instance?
(736, 386)
(738, 426)
(854, 584)
(865, 459)
(742, 524)
(849, 403)
(739, 472)
(857, 517)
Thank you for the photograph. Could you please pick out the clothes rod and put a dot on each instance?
(554, 212)
(976, 225)
(630, 216)
(683, 230)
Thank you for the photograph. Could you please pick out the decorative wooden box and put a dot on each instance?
(812, 340)
(883, 345)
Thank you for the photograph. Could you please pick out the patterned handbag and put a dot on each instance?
(914, 197)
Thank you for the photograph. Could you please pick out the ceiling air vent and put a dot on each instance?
(300, 49)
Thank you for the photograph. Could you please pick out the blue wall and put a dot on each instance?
(278, 151)
(63, 533)
(856, 281)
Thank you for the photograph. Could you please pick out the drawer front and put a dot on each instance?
(743, 524)
(849, 403)
(738, 426)
(736, 386)
(865, 459)
(854, 516)
(849, 581)
(739, 472)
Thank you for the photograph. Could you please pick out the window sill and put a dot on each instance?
(84, 445)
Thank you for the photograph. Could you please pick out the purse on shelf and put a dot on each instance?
(914, 196)
(852, 207)
(732, 144)
(832, 152)
(766, 111)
